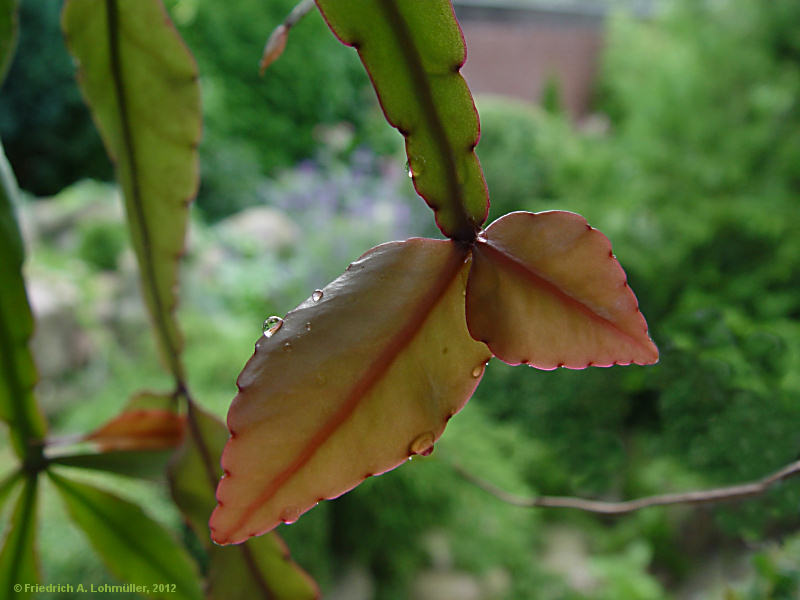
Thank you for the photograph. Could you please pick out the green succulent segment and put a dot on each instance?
(413, 52)
(130, 58)
(17, 370)
(18, 556)
(134, 547)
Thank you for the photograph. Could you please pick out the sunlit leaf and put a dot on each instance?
(18, 556)
(8, 34)
(545, 290)
(17, 370)
(358, 378)
(133, 546)
(141, 84)
(413, 52)
(259, 568)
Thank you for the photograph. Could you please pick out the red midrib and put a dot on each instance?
(529, 273)
(362, 387)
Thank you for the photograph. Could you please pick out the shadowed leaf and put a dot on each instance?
(413, 52)
(133, 463)
(17, 370)
(18, 556)
(8, 33)
(358, 378)
(545, 290)
(133, 546)
(141, 84)
(259, 568)
(7, 486)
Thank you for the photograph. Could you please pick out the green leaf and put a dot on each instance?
(17, 370)
(18, 556)
(358, 378)
(259, 568)
(9, 27)
(141, 84)
(133, 546)
(546, 290)
(7, 486)
(413, 52)
(133, 463)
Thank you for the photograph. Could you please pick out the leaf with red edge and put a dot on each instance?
(546, 290)
(413, 52)
(147, 423)
(356, 380)
(259, 568)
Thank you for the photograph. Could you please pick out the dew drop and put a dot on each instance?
(290, 514)
(409, 172)
(272, 325)
(476, 372)
(422, 444)
(287, 347)
(308, 326)
(316, 296)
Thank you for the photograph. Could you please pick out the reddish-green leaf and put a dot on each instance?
(17, 370)
(134, 547)
(358, 378)
(141, 84)
(18, 556)
(546, 290)
(259, 568)
(413, 52)
(8, 34)
(140, 430)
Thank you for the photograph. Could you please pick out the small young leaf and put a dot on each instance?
(413, 52)
(8, 34)
(134, 547)
(259, 568)
(358, 378)
(140, 430)
(18, 556)
(545, 290)
(17, 370)
(141, 84)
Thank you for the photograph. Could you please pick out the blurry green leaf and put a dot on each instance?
(18, 556)
(8, 34)
(546, 290)
(362, 375)
(7, 486)
(258, 568)
(413, 52)
(134, 463)
(141, 84)
(17, 370)
(134, 547)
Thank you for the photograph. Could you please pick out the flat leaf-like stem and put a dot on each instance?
(546, 290)
(141, 83)
(18, 556)
(362, 375)
(133, 546)
(413, 52)
(259, 568)
(17, 370)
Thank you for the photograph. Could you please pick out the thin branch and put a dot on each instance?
(277, 39)
(721, 494)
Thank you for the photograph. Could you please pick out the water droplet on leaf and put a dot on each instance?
(308, 326)
(317, 295)
(290, 514)
(476, 372)
(422, 444)
(272, 325)
(287, 347)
